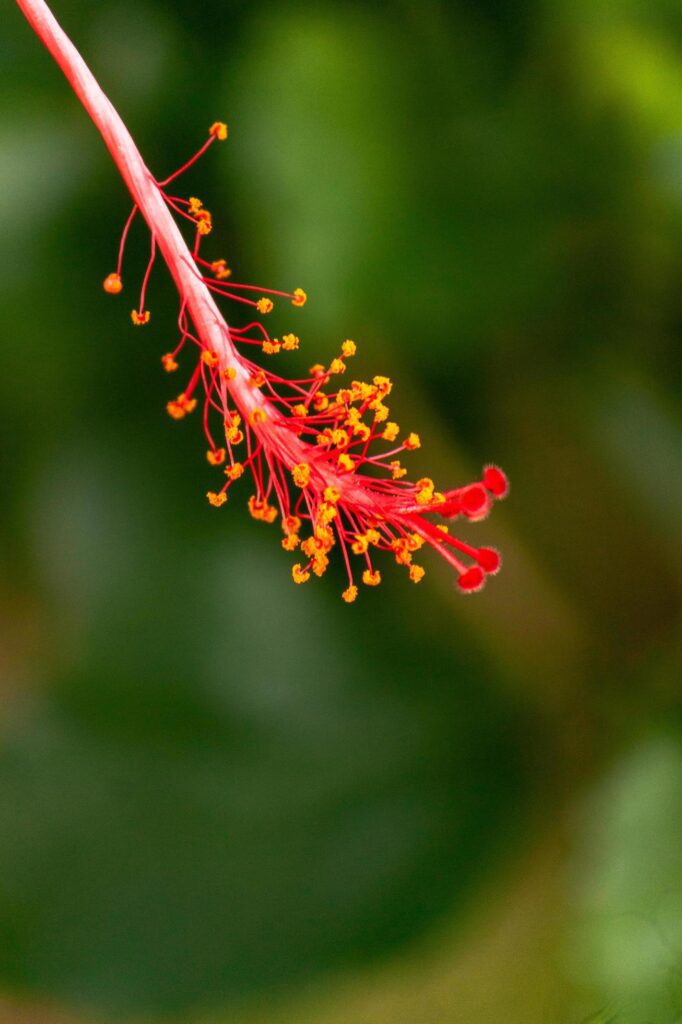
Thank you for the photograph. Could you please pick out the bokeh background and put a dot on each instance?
(224, 798)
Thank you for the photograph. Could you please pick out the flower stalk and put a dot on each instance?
(321, 457)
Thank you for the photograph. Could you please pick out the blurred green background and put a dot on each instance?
(224, 798)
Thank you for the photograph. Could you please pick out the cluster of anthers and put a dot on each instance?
(324, 457)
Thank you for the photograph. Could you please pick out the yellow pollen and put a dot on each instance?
(412, 441)
(417, 573)
(204, 222)
(414, 541)
(320, 402)
(397, 470)
(271, 348)
(331, 494)
(258, 379)
(424, 491)
(360, 544)
(299, 298)
(219, 130)
(221, 269)
(140, 317)
(371, 579)
(380, 411)
(345, 463)
(298, 575)
(320, 563)
(292, 524)
(348, 349)
(391, 431)
(301, 474)
(337, 366)
(235, 471)
(326, 512)
(257, 415)
(290, 342)
(234, 435)
(229, 373)
(299, 410)
(317, 370)
(260, 509)
(349, 594)
(384, 384)
(168, 362)
(195, 205)
(362, 431)
(264, 305)
(216, 499)
(290, 542)
(112, 284)
(210, 358)
(181, 406)
(215, 456)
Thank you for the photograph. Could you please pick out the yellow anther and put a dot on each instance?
(380, 411)
(373, 536)
(332, 494)
(349, 594)
(320, 563)
(140, 317)
(362, 431)
(424, 491)
(401, 549)
(210, 358)
(113, 284)
(320, 402)
(260, 509)
(371, 579)
(204, 222)
(348, 349)
(397, 470)
(360, 544)
(417, 573)
(299, 410)
(234, 435)
(235, 471)
(316, 370)
(290, 542)
(384, 384)
(337, 366)
(301, 474)
(340, 437)
(168, 362)
(299, 575)
(438, 498)
(414, 541)
(216, 499)
(219, 130)
(391, 431)
(292, 524)
(290, 342)
(221, 269)
(412, 441)
(324, 437)
(271, 348)
(326, 513)
(299, 298)
(195, 205)
(264, 305)
(181, 406)
(258, 379)
(345, 463)
(215, 456)
(256, 416)
(229, 373)
(443, 528)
